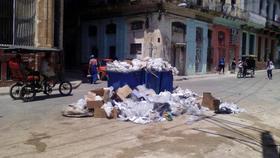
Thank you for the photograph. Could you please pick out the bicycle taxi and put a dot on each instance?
(28, 84)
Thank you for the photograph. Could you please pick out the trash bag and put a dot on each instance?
(162, 108)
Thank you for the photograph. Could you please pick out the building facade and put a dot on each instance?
(192, 35)
(31, 28)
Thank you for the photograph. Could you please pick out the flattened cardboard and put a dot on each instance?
(124, 92)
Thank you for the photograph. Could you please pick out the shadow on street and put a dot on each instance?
(265, 143)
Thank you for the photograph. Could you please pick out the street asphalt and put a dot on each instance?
(37, 128)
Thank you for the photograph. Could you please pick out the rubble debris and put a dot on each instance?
(227, 108)
(142, 105)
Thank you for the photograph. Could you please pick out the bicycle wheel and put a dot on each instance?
(27, 93)
(65, 88)
(15, 90)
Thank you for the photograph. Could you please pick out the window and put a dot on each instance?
(233, 37)
(19, 30)
(178, 27)
(6, 25)
(233, 2)
(221, 38)
(137, 25)
(112, 52)
(92, 31)
(57, 23)
(199, 2)
(267, 11)
(274, 12)
(135, 48)
(199, 35)
(261, 7)
(244, 39)
(251, 44)
(259, 48)
(111, 29)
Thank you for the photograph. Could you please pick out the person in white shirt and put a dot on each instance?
(269, 68)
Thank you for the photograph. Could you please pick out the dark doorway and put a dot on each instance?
(266, 49)
(251, 44)
(259, 48)
(271, 50)
(112, 52)
(209, 51)
(244, 39)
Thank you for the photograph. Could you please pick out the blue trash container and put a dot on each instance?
(166, 82)
(120, 79)
(152, 81)
(159, 81)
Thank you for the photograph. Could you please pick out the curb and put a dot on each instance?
(5, 90)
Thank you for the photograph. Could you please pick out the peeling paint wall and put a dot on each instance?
(192, 25)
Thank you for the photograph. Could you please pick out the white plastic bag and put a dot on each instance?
(108, 108)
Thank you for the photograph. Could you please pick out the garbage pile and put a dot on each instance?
(157, 64)
(141, 105)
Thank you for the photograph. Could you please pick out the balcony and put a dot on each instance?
(256, 19)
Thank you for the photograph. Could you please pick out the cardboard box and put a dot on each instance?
(97, 104)
(114, 114)
(209, 101)
(123, 92)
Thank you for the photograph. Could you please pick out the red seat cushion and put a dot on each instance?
(30, 78)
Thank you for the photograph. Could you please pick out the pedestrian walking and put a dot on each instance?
(222, 65)
(269, 68)
(92, 69)
(233, 66)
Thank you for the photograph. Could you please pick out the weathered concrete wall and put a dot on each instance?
(44, 35)
(135, 36)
